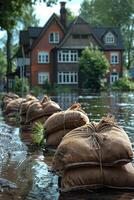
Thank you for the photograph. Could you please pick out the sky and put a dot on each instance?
(43, 12)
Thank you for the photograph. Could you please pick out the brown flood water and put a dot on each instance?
(29, 167)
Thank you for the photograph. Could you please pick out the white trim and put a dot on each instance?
(55, 37)
(67, 78)
(114, 77)
(68, 56)
(43, 57)
(42, 77)
(114, 58)
(109, 38)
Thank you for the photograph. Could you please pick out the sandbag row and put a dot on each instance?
(59, 124)
(34, 110)
(87, 156)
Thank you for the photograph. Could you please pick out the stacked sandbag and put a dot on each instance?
(39, 111)
(7, 98)
(95, 156)
(59, 124)
(24, 108)
(12, 111)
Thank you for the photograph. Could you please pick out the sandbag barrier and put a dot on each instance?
(60, 123)
(94, 156)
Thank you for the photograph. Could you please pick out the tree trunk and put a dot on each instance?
(9, 60)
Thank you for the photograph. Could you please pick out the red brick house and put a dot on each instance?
(51, 52)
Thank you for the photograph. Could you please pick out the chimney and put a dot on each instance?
(63, 12)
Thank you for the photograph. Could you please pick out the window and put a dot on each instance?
(54, 37)
(78, 36)
(68, 56)
(114, 58)
(43, 57)
(42, 77)
(109, 38)
(67, 77)
(114, 77)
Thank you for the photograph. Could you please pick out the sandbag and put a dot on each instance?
(49, 106)
(13, 106)
(121, 177)
(69, 119)
(54, 139)
(104, 142)
(35, 110)
(25, 104)
(39, 109)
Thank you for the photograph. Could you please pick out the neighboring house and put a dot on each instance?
(51, 52)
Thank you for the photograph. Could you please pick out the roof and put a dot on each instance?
(79, 26)
(101, 31)
(53, 17)
(34, 31)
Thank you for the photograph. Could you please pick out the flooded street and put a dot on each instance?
(29, 168)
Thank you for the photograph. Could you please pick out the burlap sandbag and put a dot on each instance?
(49, 106)
(10, 95)
(5, 103)
(39, 109)
(35, 110)
(13, 106)
(25, 104)
(54, 139)
(69, 119)
(92, 144)
(121, 177)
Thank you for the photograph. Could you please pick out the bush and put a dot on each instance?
(18, 83)
(123, 84)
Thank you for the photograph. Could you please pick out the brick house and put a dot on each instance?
(51, 52)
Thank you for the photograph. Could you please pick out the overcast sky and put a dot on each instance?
(43, 12)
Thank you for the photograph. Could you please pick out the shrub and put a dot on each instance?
(123, 84)
(21, 85)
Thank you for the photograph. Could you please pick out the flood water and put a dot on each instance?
(28, 167)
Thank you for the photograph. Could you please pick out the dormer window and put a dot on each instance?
(54, 37)
(109, 38)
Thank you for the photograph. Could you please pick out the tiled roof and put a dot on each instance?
(101, 31)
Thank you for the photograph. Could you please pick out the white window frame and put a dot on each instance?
(109, 38)
(43, 57)
(67, 78)
(42, 77)
(68, 56)
(55, 37)
(113, 78)
(114, 58)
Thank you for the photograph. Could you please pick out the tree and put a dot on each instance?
(10, 11)
(10, 22)
(2, 68)
(115, 13)
(93, 67)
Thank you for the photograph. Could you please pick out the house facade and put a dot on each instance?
(52, 52)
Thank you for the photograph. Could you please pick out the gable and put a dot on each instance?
(54, 24)
(80, 35)
(80, 41)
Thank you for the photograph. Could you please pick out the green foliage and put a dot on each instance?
(38, 133)
(115, 13)
(37, 90)
(93, 67)
(47, 86)
(19, 83)
(123, 84)
(2, 64)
